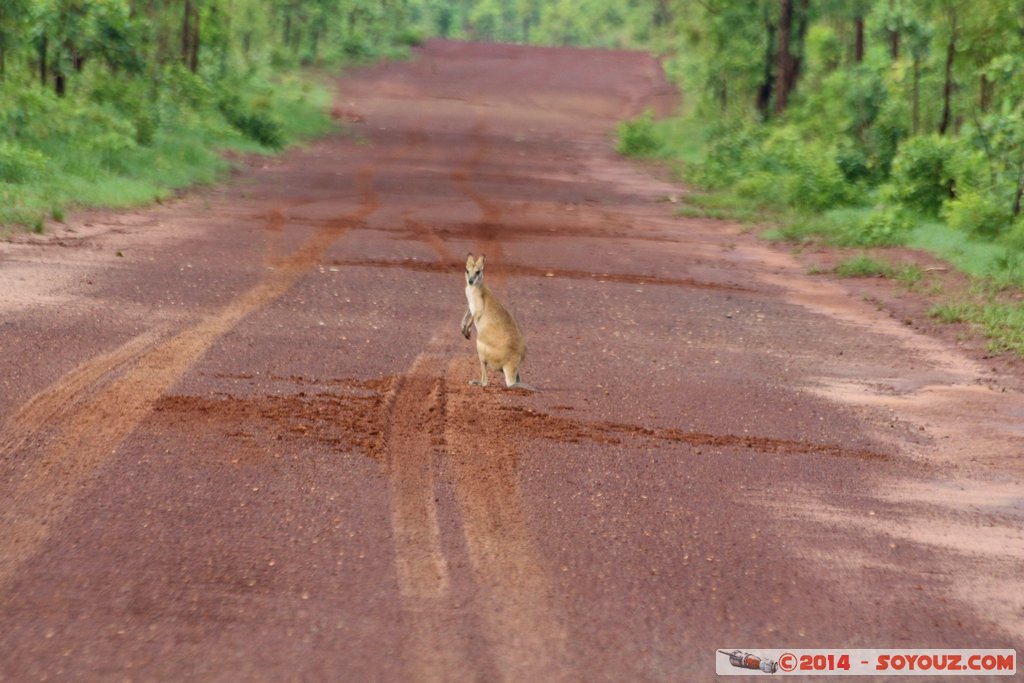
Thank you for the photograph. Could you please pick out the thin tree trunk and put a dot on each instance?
(915, 104)
(1020, 190)
(947, 88)
(662, 13)
(785, 64)
(894, 44)
(801, 33)
(985, 93)
(186, 33)
(43, 47)
(858, 43)
(193, 55)
(764, 92)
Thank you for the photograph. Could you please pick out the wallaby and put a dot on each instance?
(499, 342)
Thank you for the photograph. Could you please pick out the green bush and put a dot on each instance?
(884, 226)
(1014, 235)
(256, 123)
(979, 213)
(922, 173)
(728, 148)
(18, 164)
(788, 171)
(410, 37)
(637, 137)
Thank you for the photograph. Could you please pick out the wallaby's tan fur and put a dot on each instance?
(499, 342)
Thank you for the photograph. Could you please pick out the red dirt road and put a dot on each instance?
(246, 449)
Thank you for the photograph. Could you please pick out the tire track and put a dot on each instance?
(436, 651)
(53, 403)
(527, 628)
(68, 456)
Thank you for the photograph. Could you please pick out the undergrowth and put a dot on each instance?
(113, 146)
(800, 188)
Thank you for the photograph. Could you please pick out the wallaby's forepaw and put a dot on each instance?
(465, 332)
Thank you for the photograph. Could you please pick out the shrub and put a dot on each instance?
(637, 137)
(979, 213)
(922, 173)
(1014, 235)
(730, 143)
(884, 226)
(18, 164)
(254, 123)
(410, 37)
(110, 149)
(786, 170)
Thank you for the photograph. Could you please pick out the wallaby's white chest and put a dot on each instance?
(473, 298)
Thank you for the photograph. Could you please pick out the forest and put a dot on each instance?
(121, 102)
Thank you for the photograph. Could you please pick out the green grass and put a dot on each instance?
(185, 151)
(971, 255)
(723, 206)
(1002, 323)
(864, 266)
(909, 276)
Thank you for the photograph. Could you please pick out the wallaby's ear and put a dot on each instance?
(480, 262)
(469, 261)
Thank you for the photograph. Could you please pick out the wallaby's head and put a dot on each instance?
(474, 270)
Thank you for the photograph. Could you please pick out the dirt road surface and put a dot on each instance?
(239, 444)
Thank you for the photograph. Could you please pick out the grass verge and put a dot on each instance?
(992, 305)
(83, 163)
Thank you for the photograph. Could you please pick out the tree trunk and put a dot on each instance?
(801, 33)
(193, 55)
(186, 32)
(43, 47)
(985, 87)
(1020, 190)
(785, 63)
(894, 44)
(3, 63)
(764, 92)
(858, 43)
(60, 85)
(947, 88)
(915, 103)
(662, 13)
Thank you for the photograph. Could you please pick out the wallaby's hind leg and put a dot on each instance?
(512, 378)
(483, 374)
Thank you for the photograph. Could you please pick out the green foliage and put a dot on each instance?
(253, 120)
(922, 173)
(117, 102)
(637, 138)
(882, 226)
(979, 213)
(864, 266)
(729, 144)
(17, 164)
(785, 170)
